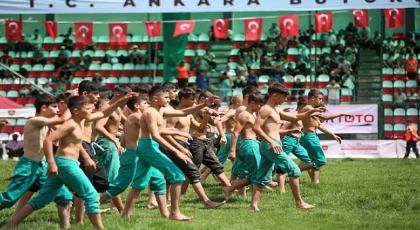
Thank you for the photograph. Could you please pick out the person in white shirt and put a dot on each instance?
(333, 93)
(332, 39)
(400, 97)
(344, 65)
(231, 73)
(15, 147)
(348, 80)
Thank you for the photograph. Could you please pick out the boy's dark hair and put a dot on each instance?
(101, 101)
(278, 88)
(186, 93)
(198, 92)
(169, 85)
(250, 89)
(156, 90)
(63, 97)
(77, 102)
(136, 100)
(142, 88)
(174, 103)
(215, 104)
(44, 99)
(257, 98)
(204, 93)
(88, 87)
(302, 103)
(314, 93)
(266, 97)
(122, 90)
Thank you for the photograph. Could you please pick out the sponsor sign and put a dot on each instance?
(176, 6)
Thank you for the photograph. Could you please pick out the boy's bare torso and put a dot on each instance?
(247, 130)
(230, 122)
(132, 130)
(271, 125)
(310, 124)
(145, 132)
(33, 142)
(69, 145)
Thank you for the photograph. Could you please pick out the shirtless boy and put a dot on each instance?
(228, 120)
(107, 145)
(151, 158)
(128, 160)
(248, 152)
(31, 170)
(267, 126)
(185, 124)
(310, 140)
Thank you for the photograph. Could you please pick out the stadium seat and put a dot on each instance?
(203, 38)
(232, 65)
(145, 80)
(135, 80)
(15, 133)
(18, 129)
(411, 84)
(292, 51)
(7, 129)
(15, 67)
(387, 98)
(399, 74)
(123, 80)
(301, 77)
(239, 37)
(388, 127)
(412, 115)
(189, 53)
(399, 84)
(122, 53)
(192, 79)
(106, 66)
(234, 52)
(237, 92)
(21, 100)
(200, 52)
(399, 115)
(323, 78)
(4, 137)
(76, 80)
(112, 80)
(263, 79)
(387, 87)
(346, 92)
(28, 67)
(111, 53)
(94, 66)
(399, 127)
(12, 94)
(158, 80)
(43, 80)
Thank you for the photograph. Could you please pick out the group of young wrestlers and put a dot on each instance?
(153, 138)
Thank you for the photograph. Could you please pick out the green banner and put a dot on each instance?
(173, 47)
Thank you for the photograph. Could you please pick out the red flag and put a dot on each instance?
(13, 30)
(394, 18)
(289, 26)
(361, 18)
(323, 22)
(83, 32)
(153, 29)
(253, 29)
(184, 27)
(220, 28)
(117, 34)
(51, 28)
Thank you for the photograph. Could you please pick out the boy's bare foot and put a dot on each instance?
(126, 216)
(105, 210)
(226, 192)
(315, 182)
(268, 188)
(272, 184)
(282, 190)
(211, 204)
(304, 205)
(255, 208)
(180, 217)
(152, 206)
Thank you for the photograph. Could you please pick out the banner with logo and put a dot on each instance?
(401, 144)
(177, 6)
(361, 149)
(17, 113)
(364, 119)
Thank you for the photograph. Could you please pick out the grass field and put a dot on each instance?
(353, 194)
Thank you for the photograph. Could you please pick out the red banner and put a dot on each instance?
(289, 26)
(13, 30)
(323, 22)
(153, 29)
(361, 18)
(394, 18)
(220, 28)
(253, 29)
(51, 27)
(83, 32)
(117, 34)
(184, 27)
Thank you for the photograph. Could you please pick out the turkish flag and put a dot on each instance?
(289, 26)
(13, 30)
(361, 18)
(83, 33)
(220, 28)
(153, 29)
(184, 27)
(253, 29)
(323, 22)
(51, 27)
(117, 34)
(394, 18)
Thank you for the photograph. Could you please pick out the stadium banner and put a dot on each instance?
(17, 113)
(364, 119)
(360, 149)
(401, 144)
(179, 6)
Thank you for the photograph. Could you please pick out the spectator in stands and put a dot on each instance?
(36, 38)
(6, 74)
(311, 30)
(341, 41)
(242, 67)
(336, 76)
(60, 62)
(400, 61)
(274, 31)
(84, 62)
(304, 38)
(350, 57)
(67, 42)
(413, 95)
(270, 47)
(331, 39)
(348, 81)
(410, 43)
(14, 147)
(411, 67)
(300, 67)
(266, 66)
(248, 55)
(38, 57)
(365, 40)
(47, 88)
(297, 89)
(203, 81)
(344, 65)
(240, 81)
(290, 71)
(98, 79)
(252, 79)
(24, 91)
(335, 58)
(277, 75)
(226, 87)
(280, 62)
(6, 58)
(68, 33)
(389, 61)
(229, 72)
(182, 75)
(210, 58)
(333, 92)
(135, 56)
(399, 98)
(199, 63)
(211, 34)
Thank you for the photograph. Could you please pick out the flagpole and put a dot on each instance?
(149, 55)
